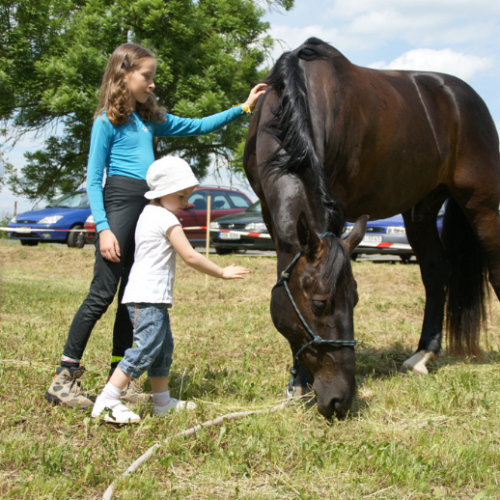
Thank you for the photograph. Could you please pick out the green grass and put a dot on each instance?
(436, 437)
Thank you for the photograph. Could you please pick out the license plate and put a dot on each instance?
(229, 236)
(23, 230)
(371, 238)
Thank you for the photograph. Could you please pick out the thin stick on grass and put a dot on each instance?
(379, 491)
(108, 494)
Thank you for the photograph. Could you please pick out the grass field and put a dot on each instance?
(436, 437)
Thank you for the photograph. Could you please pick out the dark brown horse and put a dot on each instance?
(331, 138)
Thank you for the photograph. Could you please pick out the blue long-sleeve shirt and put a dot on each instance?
(128, 149)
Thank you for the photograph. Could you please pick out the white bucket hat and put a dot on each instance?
(169, 175)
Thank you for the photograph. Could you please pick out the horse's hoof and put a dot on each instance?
(406, 368)
(417, 363)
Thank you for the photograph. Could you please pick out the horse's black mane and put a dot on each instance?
(333, 269)
(291, 126)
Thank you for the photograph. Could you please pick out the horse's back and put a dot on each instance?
(406, 132)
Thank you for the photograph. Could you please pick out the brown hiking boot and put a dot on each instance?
(134, 393)
(66, 389)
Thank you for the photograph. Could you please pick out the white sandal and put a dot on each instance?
(116, 413)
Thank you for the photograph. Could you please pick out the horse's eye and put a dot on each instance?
(319, 306)
(307, 53)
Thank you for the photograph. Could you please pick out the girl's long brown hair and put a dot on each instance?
(114, 96)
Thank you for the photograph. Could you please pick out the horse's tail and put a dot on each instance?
(467, 290)
(291, 126)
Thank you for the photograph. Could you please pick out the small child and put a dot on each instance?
(148, 295)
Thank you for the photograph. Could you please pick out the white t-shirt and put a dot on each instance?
(153, 272)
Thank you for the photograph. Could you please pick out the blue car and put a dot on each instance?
(53, 223)
(385, 236)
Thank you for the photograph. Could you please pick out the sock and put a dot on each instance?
(161, 398)
(108, 398)
(109, 394)
(71, 363)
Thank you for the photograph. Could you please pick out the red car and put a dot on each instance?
(224, 201)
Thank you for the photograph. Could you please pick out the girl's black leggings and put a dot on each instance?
(123, 202)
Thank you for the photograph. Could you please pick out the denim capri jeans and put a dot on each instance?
(153, 341)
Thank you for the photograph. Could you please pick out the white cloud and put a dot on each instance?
(464, 66)
(427, 22)
(390, 24)
(453, 8)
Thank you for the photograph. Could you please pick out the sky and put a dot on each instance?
(459, 37)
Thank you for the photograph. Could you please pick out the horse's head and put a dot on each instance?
(318, 285)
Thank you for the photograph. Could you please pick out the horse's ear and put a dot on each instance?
(308, 239)
(352, 240)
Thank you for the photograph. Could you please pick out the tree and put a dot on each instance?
(53, 54)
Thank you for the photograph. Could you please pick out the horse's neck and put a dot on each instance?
(285, 199)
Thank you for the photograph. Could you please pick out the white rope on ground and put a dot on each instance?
(108, 494)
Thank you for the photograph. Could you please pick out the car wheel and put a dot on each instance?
(223, 251)
(29, 243)
(405, 258)
(75, 239)
(354, 257)
(80, 241)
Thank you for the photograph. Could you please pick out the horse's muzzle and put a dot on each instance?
(335, 398)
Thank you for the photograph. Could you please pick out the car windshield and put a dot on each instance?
(71, 200)
(255, 207)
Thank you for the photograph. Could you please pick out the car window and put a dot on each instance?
(219, 201)
(255, 207)
(238, 200)
(199, 200)
(72, 200)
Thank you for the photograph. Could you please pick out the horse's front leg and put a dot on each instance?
(435, 270)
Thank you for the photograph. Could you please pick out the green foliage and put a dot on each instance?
(54, 53)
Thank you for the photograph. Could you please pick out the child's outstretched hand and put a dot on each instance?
(255, 93)
(233, 272)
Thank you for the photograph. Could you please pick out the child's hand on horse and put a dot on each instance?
(233, 272)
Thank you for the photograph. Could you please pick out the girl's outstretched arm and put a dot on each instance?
(197, 261)
(175, 126)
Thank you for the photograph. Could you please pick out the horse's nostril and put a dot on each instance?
(336, 407)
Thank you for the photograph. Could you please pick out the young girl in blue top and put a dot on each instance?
(121, 147)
